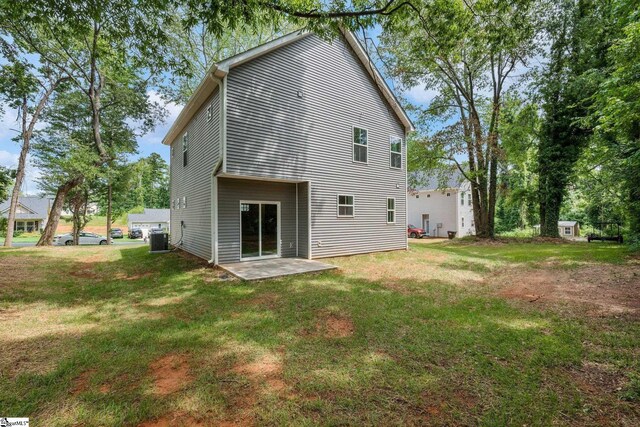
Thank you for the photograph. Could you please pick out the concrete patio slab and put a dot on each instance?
(276, 267)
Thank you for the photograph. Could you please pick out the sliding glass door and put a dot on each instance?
(259, 229)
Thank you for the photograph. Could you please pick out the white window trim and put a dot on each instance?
(338, 205)
(184, 202)
(391, 210)
(185, 146)
(209, 112)
(462, 198)
(391, 152)
(353, 144)
(569, 231)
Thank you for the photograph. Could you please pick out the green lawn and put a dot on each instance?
(116, 336)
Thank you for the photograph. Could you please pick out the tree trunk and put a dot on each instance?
(550, 203)
(109, 195)
(56, 209)
(15, 194)
(76, 224)
(22, 160)
(27, 132)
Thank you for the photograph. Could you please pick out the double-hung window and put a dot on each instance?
(391, 210)
(345, 205)
(395, 146)
(209, 113)
(185, 148)
(462, 198)
(360, 145)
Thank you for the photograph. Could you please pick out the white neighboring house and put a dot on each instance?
(31, 213)
(150, 218)
(441, 208)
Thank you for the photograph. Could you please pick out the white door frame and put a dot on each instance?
(279, 243)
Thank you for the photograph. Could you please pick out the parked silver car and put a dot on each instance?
(84, 239)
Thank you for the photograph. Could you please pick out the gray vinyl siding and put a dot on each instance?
(303, 219)
(272, 132)
(194, 180)
(231, 191)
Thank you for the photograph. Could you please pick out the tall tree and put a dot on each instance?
(26, 88)
(577, 60)
(617, 112)
(466, 51)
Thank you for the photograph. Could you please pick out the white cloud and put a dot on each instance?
(9, 126)
(421, 94)
(158, 133)
(7, 159)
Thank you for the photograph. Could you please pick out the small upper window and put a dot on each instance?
(360, 142)
(391, 210)
(448, 194)
(173, 150)
(428, 196)
(469, 199)
(177, 203)
(567, 230)
(185, 147)
(184, 202)
(345, 205)
(396, 152)
(462, 198)
(209, 113)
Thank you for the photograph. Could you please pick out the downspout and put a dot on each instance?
(220, 164)
(406, 185)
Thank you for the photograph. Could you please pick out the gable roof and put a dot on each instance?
(567, 223)
(38, 207)
(435, 181)
(222, 68)
(151, 215)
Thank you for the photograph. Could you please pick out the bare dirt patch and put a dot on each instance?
(598, 378)
(332, 325)
(604, 289)
(263, 375)
(85, 273)
(170, 374)
(266, 370)
(81, 384)
(137, 276)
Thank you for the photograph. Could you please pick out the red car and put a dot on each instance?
(415, 232)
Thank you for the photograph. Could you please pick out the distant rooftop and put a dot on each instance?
(421, 181)
(39, 207)
(151, 215)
